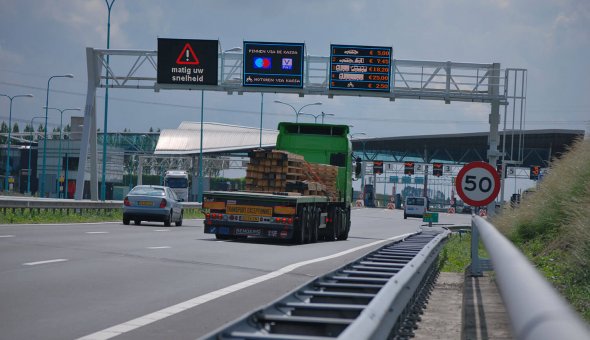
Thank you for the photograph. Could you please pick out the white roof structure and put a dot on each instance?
(217, 137)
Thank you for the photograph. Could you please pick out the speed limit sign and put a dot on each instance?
(478, 184)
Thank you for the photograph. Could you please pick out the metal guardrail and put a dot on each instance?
(23, 203)
(376, 297)
(536, 310)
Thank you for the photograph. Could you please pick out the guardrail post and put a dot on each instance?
(475, 267)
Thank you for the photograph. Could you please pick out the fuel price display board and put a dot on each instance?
(360, 68)
(273, 64)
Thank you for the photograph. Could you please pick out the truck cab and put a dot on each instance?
(177, 180)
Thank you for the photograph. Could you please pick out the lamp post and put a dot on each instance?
(42, 188)
(106, 107)
(297, 112)
(9, 137)
(29, 170)
(315, 117)
(61, 115)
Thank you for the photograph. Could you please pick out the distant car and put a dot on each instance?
(415, 207)
(152, 203)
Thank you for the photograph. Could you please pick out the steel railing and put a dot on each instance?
(535, 309)
(27, 203)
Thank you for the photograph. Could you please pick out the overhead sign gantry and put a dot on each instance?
(389, 78)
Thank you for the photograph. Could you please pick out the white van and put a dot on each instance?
(415, 206)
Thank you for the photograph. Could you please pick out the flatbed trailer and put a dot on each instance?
(324, 153)
(302, 219)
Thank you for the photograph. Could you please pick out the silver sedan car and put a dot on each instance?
(152, 203)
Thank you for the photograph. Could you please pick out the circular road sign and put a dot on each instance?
(478, 184)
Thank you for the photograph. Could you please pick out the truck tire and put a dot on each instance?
(299, 237)
(345, 226)
(137, 222)
(333, 228)
(313, 225)
(126, 220)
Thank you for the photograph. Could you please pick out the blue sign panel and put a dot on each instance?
(272, 64)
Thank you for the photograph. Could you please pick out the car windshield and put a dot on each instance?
(148, 191)
(415, 201)
(177, 182)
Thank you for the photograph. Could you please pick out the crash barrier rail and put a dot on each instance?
(23, 205)
(535, 309)
(376, 297)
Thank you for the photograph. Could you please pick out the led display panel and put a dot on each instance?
(187, 62)
(360, 68)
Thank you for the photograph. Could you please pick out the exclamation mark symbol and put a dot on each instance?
(187, 54)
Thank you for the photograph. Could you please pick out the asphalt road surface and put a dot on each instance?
(104, 280)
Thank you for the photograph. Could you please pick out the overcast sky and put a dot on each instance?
(549, 38)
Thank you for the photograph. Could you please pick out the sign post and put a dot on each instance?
(478, 184)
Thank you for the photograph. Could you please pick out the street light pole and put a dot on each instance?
(42, 189)
(29, 170)
(106, 107)
(297, 112)
(61, 115)
(261, 109)
(9, 136)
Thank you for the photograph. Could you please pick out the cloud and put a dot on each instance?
(8, 57)
(91, 16)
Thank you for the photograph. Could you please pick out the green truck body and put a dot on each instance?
(301, 219)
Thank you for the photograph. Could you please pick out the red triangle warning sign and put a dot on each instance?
(187, 56)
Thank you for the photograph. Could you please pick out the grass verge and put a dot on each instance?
(31, 216)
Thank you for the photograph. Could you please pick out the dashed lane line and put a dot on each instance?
(44, 262)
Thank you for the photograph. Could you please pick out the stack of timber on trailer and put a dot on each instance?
(280, 171)
(300, 192)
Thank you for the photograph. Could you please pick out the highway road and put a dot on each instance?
(102, 280)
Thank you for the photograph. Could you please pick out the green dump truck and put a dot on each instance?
(313, 159)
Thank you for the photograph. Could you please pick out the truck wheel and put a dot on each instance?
(137, 222)
(345, 225)
(313, 225)
(126, 220)
(333, 231)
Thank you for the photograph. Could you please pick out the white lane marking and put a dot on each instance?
(130, 325)
(97, 232)
(6, 236)
(159, 247)
(162, 230)
(44, 262)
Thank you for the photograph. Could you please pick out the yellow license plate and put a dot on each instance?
(250, 218)
(146, 203)
(248, 210)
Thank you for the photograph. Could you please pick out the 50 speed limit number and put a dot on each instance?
(478, 184)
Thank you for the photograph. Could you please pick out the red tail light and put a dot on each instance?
(207, 216)
(290, 220)
(163, 203)
(126, 202)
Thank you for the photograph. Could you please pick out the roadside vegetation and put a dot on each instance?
(551, 226)
(34, 216)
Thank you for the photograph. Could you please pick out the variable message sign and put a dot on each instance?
(273, 64)
(360, 68)
(187, 62)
